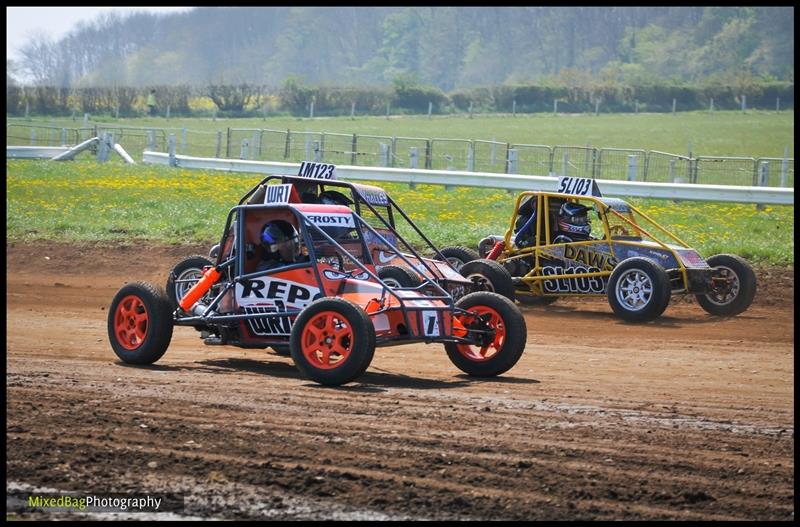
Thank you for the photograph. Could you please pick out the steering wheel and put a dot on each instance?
(618, 230)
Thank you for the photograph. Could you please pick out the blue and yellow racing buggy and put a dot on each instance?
(577, 243)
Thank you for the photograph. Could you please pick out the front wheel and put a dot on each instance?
(638, 290)
(140, 323)
(489, 275)
(500, 329)
(332, 341)
(733, 286)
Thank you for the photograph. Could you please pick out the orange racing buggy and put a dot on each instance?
(317, 183)
(326, 303)
(575, 242)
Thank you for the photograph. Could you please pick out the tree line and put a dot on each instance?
(574, 93)
(449, 48)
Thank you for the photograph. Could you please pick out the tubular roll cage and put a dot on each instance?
(209, 316)
(361, 199)
(603, 209)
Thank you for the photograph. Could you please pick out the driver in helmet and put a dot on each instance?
(280, 245)
(573, 223)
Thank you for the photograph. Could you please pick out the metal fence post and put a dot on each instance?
(288, 146)
(744, 103)
(171, 150)
(245, 148)
(514, 108)
(711, 106)
(632, 164)
(763, 179)
(384, 155)
(493, 154)
(428, 154)
(413, 157)
(778, 104)
(597, 107)
(430, 109)
(352, 111)
(512, 161)
(317, 152)
(393, 151)
(86, 120)
(353, 148)
(555, 106)
(470, 157)
(27, 109)
(168, 108)
(63, 136)
(674, 103)
(183, 141)
(228, 143)
(413, 162)
(218, 149)
(311, 111)
(470, 109)
(102, 151)
(256, 145)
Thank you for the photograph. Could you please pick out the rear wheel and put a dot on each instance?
(140, 323)
(500, 329)
(332, 341)
(733, 286)
(638, 290)
(489, 275)
(458, 255)
(397, 276)
(183, 276)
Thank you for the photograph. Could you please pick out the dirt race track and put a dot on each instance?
(689, 417)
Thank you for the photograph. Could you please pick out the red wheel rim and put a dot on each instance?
(483, 353)
(130, 322)
(327, 340)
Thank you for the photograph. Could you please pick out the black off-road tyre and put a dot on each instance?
(140, 323)
(508, 319)
(458, 255)
(740, 291)
(356, 338)
(638, 290)
(188, 268)
(396, 276)
(489, 275)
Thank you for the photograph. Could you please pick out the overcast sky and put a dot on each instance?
(57, 21)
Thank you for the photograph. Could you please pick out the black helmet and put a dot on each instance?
(279, 238)
(333, 197)
(573, 220)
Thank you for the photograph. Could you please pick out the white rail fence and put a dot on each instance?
(761, 195)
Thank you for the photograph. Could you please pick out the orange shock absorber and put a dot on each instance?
(496, 250)
(197, 291)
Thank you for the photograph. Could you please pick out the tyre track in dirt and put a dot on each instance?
(606, 424)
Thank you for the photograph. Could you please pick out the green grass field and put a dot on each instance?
(729, 133)
(87, 201)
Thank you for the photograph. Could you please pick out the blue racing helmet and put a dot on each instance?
(573, 219)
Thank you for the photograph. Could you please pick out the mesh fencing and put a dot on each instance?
(416, 152)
